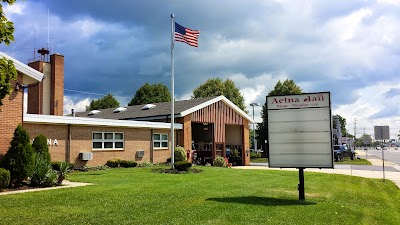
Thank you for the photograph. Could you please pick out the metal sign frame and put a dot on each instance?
(300, 131)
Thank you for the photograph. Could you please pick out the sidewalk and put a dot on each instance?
(65, 184)
(392, 171)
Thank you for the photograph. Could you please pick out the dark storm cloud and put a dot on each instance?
(117, 46)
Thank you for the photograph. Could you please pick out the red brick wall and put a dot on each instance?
(59, 132)
(10, 116)
(57, 85)
(81, 141)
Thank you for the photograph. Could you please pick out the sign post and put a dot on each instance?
(382, 133)
(300, 133)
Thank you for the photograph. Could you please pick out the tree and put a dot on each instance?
(40, 147)
(342, 121)
(216, 87)
(8, 72)
(107, 101)
(288, 87)
(151, 94)
(19, 158)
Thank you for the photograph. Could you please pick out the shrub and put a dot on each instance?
(179, 154)
(219, 162)
(62, 172)
(4, 178)
(182, 165)
(56, 165)
(19, 158)
(234, 153)
(40, 147)
(43, 175)
(254, 155)
(127, 164)
(113, 163)
(145, 164)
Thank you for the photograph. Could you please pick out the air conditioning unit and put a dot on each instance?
(140, 153)
(86, 156)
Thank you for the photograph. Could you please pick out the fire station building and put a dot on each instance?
(211, 126)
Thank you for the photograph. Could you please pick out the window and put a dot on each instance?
(108, 140)
(160, 140)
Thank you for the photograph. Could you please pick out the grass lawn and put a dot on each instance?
(259, 160)
(215, 196)
(354, 162)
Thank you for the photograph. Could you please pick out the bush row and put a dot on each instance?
(121, 163)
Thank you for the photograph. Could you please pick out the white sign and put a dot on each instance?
(343, 140)
(299, 131)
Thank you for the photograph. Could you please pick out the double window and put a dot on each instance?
(160, 140)
(108, 140)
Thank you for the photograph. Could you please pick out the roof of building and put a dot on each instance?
(80, 121)
(25, 69)
(161, 110)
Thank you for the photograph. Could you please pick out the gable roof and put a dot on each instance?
(25, 69)
(163, 109)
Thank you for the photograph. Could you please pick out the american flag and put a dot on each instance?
(186, 35)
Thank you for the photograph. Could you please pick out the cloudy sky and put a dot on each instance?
(349, 48)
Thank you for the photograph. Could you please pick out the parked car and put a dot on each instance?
(378, 148)
(340, 151)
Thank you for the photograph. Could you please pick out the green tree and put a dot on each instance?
(216, 87)
(107, 101)
(151, 94)
(288, 87)
(8, 72)
(19, 158)
(342, 121)
(362, 141)
(40, 147)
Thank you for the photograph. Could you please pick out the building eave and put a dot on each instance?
(25, 69)
(83, 121)
(214, 100)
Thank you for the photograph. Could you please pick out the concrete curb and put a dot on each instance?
(65, 184)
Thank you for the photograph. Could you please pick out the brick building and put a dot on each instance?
(211, 126)
(11, 112)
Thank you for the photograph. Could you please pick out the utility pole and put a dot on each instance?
(355, 132)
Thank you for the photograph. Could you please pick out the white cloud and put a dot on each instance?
(372, 101)
(79, 105)
(389, 2)
(17, 8)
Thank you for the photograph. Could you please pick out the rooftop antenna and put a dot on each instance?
(34, 44)
(48, 30)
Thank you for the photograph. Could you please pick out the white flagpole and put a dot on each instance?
(172, 91)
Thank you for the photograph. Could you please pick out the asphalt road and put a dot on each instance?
(390, 155)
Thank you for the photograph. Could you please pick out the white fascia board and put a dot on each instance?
(25, 69)
(82, 121)
(214, 100)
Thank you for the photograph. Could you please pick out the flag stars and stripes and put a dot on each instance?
(186, 35)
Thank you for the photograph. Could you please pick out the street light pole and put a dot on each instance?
(254, 130)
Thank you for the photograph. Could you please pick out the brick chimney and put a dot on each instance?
(47, 97)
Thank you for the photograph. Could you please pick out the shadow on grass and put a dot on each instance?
(255, 200)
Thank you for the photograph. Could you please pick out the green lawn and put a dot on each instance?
(354, 162)
(259, 160)
(215, 196)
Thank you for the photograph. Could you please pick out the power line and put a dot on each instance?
(91, 93)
